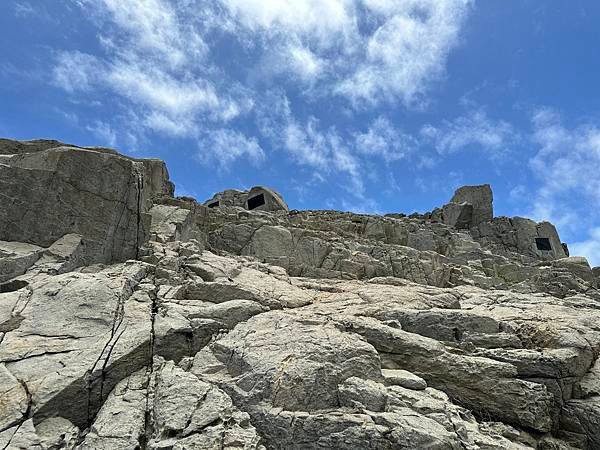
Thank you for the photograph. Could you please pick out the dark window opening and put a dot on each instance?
(12, 286)
(543, 244)
(213, 204)
(256, 201)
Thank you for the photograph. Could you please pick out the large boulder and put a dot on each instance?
(49, 191)
(480, 198)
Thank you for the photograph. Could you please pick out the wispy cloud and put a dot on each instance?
(224, 146)
(324, 150)
(328, 150)
(475, 130)
(406, 50)
(566, 163)
(384, 140)
(160, 64)
(104, 133)
(76, 71)
(589, 247)
(154, 26)
(23, 9)
(368, 51)
(154, 61)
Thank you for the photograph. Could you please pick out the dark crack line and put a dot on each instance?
(145, 437)
(59, 352)
(140, 187)
(103, 374)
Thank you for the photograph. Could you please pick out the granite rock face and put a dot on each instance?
(50, 190)
(480, 198)
(224, 327)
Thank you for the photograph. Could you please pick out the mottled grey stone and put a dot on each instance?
(480, 198)
(280, 329)
(61, 190)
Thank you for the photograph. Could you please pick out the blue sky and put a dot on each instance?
(366, 105)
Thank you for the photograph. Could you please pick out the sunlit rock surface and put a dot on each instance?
(133, 319)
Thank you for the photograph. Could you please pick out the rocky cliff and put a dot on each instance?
(133, 319)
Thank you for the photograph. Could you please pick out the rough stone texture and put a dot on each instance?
(480, 198)
(48, 192)
(403, 378)
(16, 258)
(270, 200)
(458, 215)
(240, 329)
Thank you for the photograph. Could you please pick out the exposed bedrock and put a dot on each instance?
(133, 319)
(49, 190)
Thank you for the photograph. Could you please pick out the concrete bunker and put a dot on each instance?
(258, 198)
(264, 199)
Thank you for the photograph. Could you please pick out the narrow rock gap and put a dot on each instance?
(147, 434)
(140, 187)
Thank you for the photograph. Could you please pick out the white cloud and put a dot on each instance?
(154, 65)
(168, 64)
(153, 26)
(589, 248)
(224, 146)
(172, 126)
(473, 130)
(407, 50)
(306, 144)
(518, 194)
(299, 38)
(384, 140)
(104, 132)
(76, 71)
(320, 21)
(324, 150)
(302, 62)
(566, 163)
(160, 91)
(363, 206)
(23, 9)
(366, 50)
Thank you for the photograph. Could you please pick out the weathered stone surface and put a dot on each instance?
(16, 258)
(169, 408)
(259, 198)
(21, 437)
(304, 367)
(582, 417)
(404, 378)
(14, 399)
(48, 193)
(589, 386)
(76, 334)
(458, 215)
(258, 329)
(57, 433)
(480, 198)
